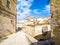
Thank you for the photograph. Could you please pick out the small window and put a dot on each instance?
(8, 3)
(0, 0)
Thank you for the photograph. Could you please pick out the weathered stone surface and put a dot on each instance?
(55, 12)
(7, 17)
(19, 38)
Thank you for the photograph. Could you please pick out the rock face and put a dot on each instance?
(55, 19)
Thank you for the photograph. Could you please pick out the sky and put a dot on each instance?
(35, 8)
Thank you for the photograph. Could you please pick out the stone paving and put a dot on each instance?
(18, 38)
(22, 38)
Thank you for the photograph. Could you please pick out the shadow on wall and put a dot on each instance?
(3, 38)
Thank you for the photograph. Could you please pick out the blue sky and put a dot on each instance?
(36, 8)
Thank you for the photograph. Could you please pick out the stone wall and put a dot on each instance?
(55, 19)
(7, 17)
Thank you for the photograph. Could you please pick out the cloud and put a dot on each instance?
(18, 0)
(23, 8)
(47, 7)
(46, 11)
(20, 16)
(24, 4)
(42, 13)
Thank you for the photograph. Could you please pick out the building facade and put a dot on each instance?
(55, 20)
(7, 17)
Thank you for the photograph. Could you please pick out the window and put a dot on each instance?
(0, 0)
(12, 22)
(8, 3)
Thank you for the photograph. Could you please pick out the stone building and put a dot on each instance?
(33, 26)
(7, 17)
(55, 19)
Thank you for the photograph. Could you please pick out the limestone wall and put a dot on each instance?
(55, 19)
(6, 26)
(29, 29)
(7, 17)
(12, 5)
